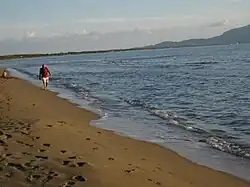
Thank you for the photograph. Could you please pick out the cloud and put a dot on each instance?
(218, 23)
(30, 34)
(102, 20)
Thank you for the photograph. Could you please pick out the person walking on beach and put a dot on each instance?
(44, 75)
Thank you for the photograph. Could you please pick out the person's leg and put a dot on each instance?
(44, 83)
(47, 82)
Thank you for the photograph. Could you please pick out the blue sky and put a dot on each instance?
(168, 19)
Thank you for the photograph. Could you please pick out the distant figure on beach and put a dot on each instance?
(44, 74)
(4, 75)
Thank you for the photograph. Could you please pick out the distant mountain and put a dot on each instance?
(233, 36)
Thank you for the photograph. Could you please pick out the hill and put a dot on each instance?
(233, 36)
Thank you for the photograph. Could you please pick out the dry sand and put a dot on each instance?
(47, 141)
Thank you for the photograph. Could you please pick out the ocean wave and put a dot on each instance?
(142, 58)
(171, 118)
(56, 62)
(216, 138)
(22, 71)
(203, 62)
(229, 147)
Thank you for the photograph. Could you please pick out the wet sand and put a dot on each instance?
(47, 141)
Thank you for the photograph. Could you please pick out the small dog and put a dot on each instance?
(5, 73)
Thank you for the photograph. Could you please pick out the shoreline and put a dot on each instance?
(40, 55)
(111, 157)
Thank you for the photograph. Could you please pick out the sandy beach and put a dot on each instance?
(47, 141)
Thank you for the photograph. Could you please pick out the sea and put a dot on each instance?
(194, 101)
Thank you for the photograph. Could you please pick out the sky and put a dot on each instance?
(73, 25)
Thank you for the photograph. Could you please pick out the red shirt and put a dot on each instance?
(45, 72)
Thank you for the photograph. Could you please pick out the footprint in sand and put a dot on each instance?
(50, 176)
(69, 163)
(54, 174)
(17, 166)
(17, 128)
(8, 136)
(81, 164)
(46, 145)
(1, 169)
(79, 178)
(24, 132)
(69, 184)
(29, 145)
(8, 154)
(129, 170)
(26, 144)
(158, 168)
(65, 162)
(33, 177)
(157, 183)
(3, 143)
(35, 138)
(62, 123)
(42, 157)
(25, 153)
(111, 158)
(21, 123)
(9, 174)
(41, 150)
(29, 164)
(72, 157)
(20, 142)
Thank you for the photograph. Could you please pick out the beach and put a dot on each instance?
(47, 141)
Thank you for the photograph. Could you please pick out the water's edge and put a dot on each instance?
(102, 116)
